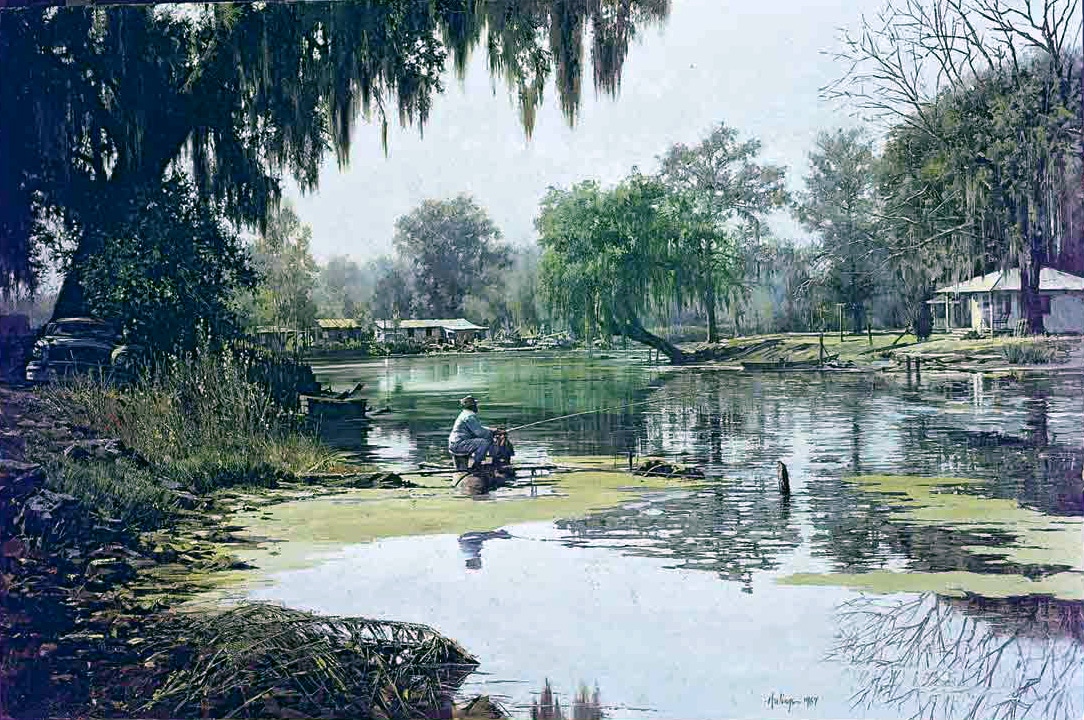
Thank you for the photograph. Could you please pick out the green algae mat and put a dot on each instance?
(303, 528)
(1052, 546)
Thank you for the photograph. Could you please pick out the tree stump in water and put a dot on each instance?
(784, 478)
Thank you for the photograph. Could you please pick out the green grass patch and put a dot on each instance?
(1033, 352)
(117, 490)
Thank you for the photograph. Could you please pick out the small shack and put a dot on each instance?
(991, 302)
(456, 330)
(341, 330)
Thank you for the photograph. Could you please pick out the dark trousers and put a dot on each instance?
(478, 448)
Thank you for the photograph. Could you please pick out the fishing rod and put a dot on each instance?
(587, 412)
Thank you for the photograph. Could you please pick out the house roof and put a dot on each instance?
(1050, 280)
(338, 323)
(453, 325)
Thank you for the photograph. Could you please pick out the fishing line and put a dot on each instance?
(590, 412)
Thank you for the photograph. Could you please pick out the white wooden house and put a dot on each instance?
(991, 302)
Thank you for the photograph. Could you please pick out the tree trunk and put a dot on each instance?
(1032, 259)
(1031, 264)
(709, 305)
(634, 330)
(858, 313)
(119, 195)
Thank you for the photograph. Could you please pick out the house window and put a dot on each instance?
(429, 332)
(410, 332)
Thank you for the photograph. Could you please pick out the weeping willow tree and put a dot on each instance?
(96, 103)
(722, 195)
(609, 257)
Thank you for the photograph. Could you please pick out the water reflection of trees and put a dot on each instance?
(740, 425)
(943, 657)
(734, 529)
(519, 392)
(1026, 467)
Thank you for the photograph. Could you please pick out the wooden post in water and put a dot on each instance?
(821, 351)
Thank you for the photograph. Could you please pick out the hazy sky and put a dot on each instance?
(755, 65)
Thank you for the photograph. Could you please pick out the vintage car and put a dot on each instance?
(70, 347)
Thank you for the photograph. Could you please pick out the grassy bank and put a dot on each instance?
(196, 426)
(889, 349)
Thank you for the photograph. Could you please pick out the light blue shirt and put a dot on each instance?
(468, 426)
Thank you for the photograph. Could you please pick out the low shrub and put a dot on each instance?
(1030, 352)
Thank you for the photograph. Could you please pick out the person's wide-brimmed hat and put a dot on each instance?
(468, 401)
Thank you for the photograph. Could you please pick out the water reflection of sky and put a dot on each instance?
(671, 604)
(660, 641)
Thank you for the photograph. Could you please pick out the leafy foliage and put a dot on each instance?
(167, 271)
(393, 291)
(239, 95)
(454, 251)
(839, 205)
(990, 91)
(343, 289)
(609, 256)
(287, 270)
(721, 195)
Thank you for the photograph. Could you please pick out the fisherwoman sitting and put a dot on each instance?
(470, 437)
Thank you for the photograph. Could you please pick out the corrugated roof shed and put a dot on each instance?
(338, 323)
(1050, 280)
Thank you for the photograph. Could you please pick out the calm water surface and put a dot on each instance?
(670, 604)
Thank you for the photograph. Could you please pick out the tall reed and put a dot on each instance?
(198, 422)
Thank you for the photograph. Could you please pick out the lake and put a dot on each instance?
(687, 602)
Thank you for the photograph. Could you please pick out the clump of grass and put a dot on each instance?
(198, 421)
(121, 490)
(255, 660)
(1030, 352)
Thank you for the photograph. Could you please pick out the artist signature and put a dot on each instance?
(776, 699)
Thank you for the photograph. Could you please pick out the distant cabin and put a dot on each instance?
(991, 303)
(341, 329)
(457, 331)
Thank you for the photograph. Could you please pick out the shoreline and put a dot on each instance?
(884, 352)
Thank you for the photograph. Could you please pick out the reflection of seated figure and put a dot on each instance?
(470, 544)
(471, 548)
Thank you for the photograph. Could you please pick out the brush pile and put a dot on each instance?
(261, 660)
(655, 467)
